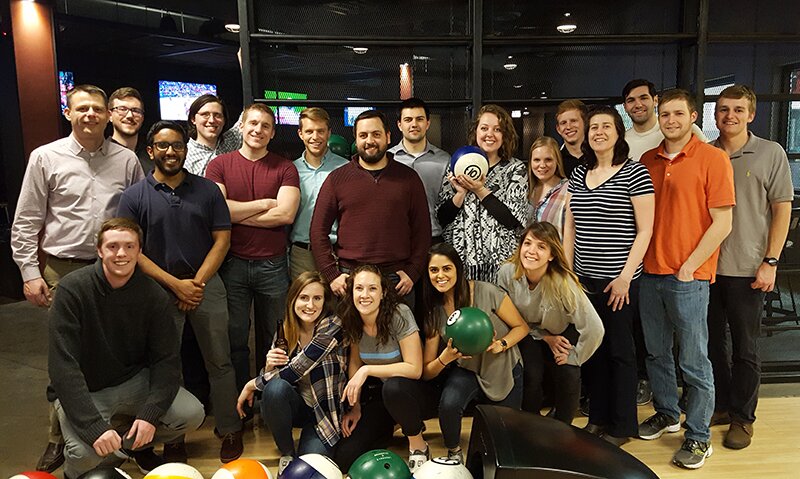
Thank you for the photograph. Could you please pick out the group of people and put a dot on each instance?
(591, 259)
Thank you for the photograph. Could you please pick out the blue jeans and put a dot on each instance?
(670, 307)
(262, 284)
(460, 388)
(283, 408)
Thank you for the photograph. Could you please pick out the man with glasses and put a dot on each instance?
(70, 187)
(187, 231)
(127, 117)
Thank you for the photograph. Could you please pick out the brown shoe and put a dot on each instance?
(52, 457)
(175, 452)
(739, 435)
(719, 418)
(232, 447)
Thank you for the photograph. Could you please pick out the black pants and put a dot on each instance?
(539, 362)
(611, 371)
(735, 304)
(401, 401)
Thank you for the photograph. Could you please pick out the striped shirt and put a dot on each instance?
(605, 226)
(402, 326)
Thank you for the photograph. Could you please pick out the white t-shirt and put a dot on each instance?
(641, 142)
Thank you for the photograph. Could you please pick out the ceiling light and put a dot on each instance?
(232, 27)
(567, 24)
(360, 50)
(510, 65)
(518, 86)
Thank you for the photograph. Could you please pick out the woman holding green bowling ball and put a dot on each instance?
(385, 356)
(492, 377)
(565, 328)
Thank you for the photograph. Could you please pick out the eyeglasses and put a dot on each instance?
(209, 114)
(177, 146)
(123, 110)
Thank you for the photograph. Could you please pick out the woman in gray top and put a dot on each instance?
(492, 377)
(565, 328)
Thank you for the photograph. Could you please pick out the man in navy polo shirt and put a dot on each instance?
(187, 230)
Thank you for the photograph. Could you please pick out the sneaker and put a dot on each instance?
(456, 454)
(643, 392)
(654, 426)
(232, 447)
(283, 463)
(175, 452)
(692, 454)
(584, 407)
(416, 458)
(146, 459)
(739, 435)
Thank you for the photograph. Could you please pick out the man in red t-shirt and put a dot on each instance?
(262, 190)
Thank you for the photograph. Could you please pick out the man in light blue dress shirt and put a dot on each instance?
(313, 166)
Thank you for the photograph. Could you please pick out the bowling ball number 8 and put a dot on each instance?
(454, 317)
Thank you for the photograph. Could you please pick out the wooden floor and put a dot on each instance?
(775, 452)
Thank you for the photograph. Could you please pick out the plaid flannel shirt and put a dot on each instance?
(198, 155)
(324, 360)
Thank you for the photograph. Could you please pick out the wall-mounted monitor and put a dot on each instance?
(175, 97)
(66, 81)
(351, 112)
(286, 115)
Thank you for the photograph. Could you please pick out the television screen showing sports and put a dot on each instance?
(286, 115)
(175, 97)
(351, 112)
(66, 81)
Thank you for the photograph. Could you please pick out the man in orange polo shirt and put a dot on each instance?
(694, 202)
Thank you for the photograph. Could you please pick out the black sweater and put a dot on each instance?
(101, 337)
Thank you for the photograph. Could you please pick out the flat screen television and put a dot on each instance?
(351, 112)
(175, 97)
(66, 81)
(286, 115)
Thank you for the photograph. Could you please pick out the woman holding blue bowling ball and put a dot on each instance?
(480, 216)
(492, 377)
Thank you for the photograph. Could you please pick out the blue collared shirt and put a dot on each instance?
(311, 180)
(431, 166)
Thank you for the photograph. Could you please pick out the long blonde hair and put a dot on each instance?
(559, 280)
(544, 142)
(291, 323)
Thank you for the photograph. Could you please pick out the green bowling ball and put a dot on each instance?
(379, 464)
(338, 145)
(471, 330)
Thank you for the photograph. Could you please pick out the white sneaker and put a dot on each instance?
(456, 454)
(416, 458)
(283, 463)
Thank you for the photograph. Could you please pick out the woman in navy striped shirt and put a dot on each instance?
(608, 227)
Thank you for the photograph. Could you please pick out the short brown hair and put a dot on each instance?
(125, 92)
(737, 92)
(315, 114)
(120, 224)
(259, 107)
(90, 89)
(569, 105)
(678, 94)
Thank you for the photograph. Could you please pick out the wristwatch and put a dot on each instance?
(503, 343)
(771, 261)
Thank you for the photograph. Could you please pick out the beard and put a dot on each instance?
(375, 158)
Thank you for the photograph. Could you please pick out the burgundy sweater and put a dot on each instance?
(382, 221)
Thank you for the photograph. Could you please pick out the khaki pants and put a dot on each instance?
(300, 260)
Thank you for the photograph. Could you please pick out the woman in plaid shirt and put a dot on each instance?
(303, 387)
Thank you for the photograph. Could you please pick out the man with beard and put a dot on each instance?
(382, 212)
(187, 230)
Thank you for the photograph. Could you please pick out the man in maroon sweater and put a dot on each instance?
(382, 211)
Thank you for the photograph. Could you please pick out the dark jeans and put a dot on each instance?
(460, 389)
(282, 408)
(638, 342)
(735, 304)
(539, 361)
(374, 429)
(262, 284)
(611, 371)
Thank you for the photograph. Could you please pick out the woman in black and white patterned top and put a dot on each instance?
(482, 217)
(607, 231)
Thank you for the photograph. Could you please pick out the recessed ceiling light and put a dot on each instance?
(567, 24)
(232, 27)
(510, 64)
(360, 50)
(518, 86)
